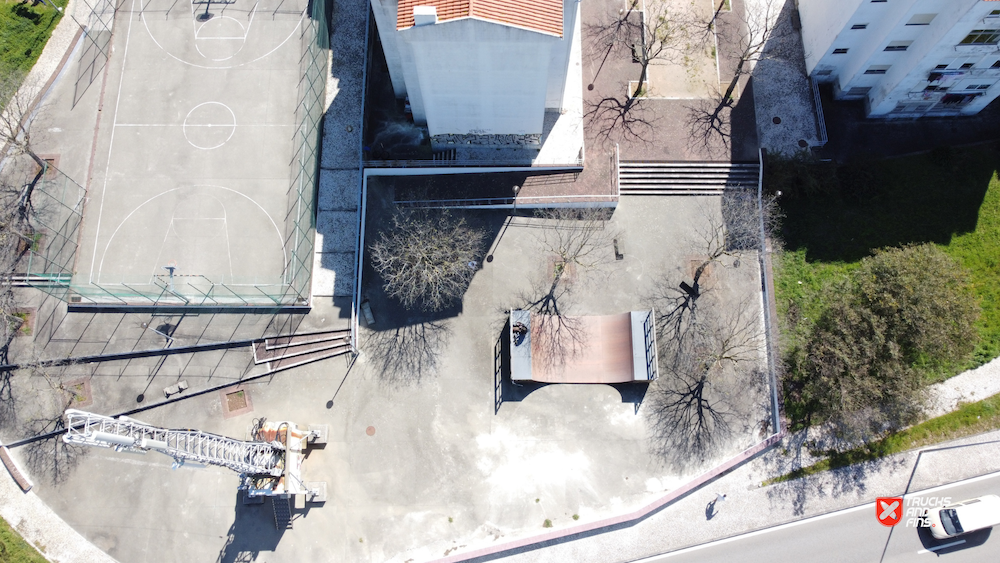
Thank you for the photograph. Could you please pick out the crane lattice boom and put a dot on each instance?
(126, 434)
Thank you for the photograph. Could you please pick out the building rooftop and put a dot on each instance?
(543, 16)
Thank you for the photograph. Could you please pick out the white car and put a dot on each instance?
(964, 517)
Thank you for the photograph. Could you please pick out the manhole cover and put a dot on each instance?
(803, 143)
(236, 400)
(776, 120)
(370, 430)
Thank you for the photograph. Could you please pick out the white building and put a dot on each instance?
(479, 67)
(906, 58)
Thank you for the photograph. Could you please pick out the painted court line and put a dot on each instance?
(111, 144)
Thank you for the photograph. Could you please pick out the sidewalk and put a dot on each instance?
(749, 507)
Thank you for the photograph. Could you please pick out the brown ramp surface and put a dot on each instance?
(592, 349)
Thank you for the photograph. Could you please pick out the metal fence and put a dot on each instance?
(51, 265)
(57, 212)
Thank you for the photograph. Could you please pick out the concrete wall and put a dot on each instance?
(472, 76)
(822, 22)
(385, 22)
(905, 81)
(560, 61)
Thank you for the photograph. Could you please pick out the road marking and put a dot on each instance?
(942, 546)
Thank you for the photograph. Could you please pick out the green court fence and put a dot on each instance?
(51, 264)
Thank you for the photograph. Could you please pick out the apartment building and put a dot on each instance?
(905, 58)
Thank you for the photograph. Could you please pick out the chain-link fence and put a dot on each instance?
(300, 221)
(51, 265)
(97, 19)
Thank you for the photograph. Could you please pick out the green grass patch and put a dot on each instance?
(835, 215)
(24, 30)
(973, 418)
(13, 548)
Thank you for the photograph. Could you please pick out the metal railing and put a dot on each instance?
(766, 293)
(485, 163)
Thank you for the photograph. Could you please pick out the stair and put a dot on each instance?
(288, 351)
(684, 178)
(282, 513)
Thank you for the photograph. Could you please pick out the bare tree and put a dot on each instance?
(576, 240)
(710, 365)
(427, 259)
(17, 100)
(733, 232)
(20, 171)
(752, 35)
(648, 34)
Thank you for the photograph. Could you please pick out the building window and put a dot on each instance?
(921, 19)
(877, 69)
(859, 91)
(874, 1)
(941, 67)
(982, 37)
(994, 14)
(966, 66)
(996, 65)
(859, 26)
(840, 51)
(898, 45)
(826, 72)
(978, 87)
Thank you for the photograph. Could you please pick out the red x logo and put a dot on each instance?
(889, 510)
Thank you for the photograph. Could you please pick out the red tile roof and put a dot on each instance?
(543, 16)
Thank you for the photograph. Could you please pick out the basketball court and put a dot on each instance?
(195, 153)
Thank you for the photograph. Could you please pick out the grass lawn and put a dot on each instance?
(950, 198)
(836, 215)
(24, 30)
(13, 549)
(970, 419)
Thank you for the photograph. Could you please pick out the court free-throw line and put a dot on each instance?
(178, 59)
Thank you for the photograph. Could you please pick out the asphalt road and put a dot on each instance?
(856, 535)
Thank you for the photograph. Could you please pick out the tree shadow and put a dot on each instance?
(405, 354)
(840, 213)
(253, 531)
(51, 458)
(799, 450)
